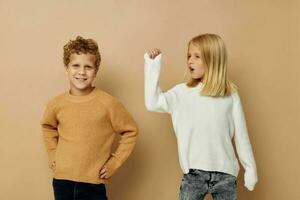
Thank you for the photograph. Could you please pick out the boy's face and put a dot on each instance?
(81, 73)
(195, 64)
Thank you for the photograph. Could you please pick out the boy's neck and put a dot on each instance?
(76, 92)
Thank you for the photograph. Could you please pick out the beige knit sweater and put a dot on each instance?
(79, 131)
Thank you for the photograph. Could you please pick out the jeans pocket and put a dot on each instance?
(230, 181)
(184, 179)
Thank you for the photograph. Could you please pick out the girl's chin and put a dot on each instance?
(196, 77)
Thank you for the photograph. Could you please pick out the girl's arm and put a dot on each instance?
(155, 99)
(242, 144)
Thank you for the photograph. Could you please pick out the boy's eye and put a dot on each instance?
(75, 65)
(89, 67)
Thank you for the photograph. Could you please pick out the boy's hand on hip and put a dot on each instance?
(153, 53)
(53, 166)
(102, 173)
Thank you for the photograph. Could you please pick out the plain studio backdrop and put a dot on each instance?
(262, 38)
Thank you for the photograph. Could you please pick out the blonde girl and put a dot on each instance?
(207, 114)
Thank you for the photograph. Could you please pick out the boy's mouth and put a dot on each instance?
(80, 79)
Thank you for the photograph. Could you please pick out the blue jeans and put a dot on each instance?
(70, 190)
(197, 183)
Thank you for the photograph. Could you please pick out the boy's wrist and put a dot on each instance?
(111, 166)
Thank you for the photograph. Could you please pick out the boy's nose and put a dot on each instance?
(82, 71)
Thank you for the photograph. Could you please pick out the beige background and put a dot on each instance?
(263, 43)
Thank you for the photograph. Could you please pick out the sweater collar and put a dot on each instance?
(83, 98)
(198, 86)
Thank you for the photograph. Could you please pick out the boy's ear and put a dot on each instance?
(97, 70)
(66, 68)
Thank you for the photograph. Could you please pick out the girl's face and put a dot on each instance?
(195, 64)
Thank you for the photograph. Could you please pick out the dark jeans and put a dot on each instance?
(70, 190)
(197, 183)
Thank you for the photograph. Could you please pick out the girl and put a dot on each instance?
(206, 114)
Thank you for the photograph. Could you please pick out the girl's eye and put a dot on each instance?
(197, 56)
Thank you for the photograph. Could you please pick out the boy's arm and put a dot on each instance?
(243, 145)
(50, 134)
(155, 99)
(123, 124)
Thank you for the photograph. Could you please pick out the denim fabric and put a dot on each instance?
(70, 190)
(197, 183)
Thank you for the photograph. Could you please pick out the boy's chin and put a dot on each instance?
(82, 88)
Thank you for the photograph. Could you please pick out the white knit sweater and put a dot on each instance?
(204, 126)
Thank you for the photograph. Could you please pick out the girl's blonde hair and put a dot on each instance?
(214, 57)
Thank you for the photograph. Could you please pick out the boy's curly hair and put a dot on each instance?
(81, 45)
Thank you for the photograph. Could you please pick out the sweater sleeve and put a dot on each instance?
(124, 125)
(155, 99)
(243, 145)
(49, 125)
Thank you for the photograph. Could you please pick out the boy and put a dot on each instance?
(80, 126)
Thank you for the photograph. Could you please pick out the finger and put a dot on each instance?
(103, 175)
(103, 171)
(153, 52)
(53, 166)
(150, 54)
(158, 51)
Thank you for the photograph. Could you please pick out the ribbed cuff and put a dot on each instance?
(148, 59)
(250, 179)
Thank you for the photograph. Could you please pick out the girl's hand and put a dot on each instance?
(154, 52)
